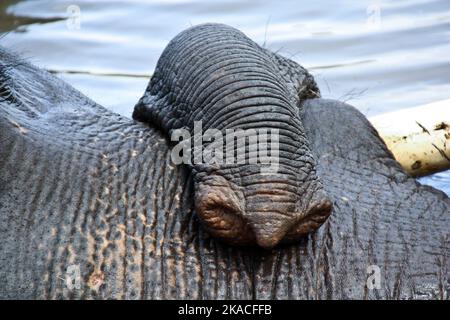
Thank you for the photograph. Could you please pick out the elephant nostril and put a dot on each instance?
(223, 221)
(321, 211)
(317, 214)
(218, 217)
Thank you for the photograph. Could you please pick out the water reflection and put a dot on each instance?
(9, 22)
(439, 180)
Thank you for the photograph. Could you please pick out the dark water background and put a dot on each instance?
(377, 55)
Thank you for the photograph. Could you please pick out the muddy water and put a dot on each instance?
(377, 55)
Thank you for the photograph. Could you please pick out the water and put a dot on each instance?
(377, 55)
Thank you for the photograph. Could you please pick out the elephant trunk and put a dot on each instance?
(259, 185)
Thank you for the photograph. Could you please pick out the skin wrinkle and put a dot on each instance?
(227, 66)
(401, 225)
(224, 68)
(230, 97)
(213, 122)
(238, 46)
(221, 90)
(175, 54)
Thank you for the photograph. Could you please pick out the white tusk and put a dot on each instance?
(418, 137)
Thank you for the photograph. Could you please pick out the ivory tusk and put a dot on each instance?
(418, 137)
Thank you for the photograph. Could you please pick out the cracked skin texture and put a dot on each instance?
(82, 186)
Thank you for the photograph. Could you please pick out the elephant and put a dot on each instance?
(213, 79)
(92, 205)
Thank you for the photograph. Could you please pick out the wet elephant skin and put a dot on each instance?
(81, 186)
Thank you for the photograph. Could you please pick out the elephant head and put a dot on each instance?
(213, 75)
(90, 195)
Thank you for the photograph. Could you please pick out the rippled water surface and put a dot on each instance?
(377, 55)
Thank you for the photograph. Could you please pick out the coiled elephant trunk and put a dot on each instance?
(212, 81)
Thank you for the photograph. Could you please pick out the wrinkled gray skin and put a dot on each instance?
(215, 74)
(84, 189)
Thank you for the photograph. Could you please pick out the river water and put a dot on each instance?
(376, 55)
